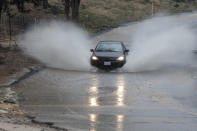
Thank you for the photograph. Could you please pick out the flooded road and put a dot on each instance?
(113, 101)
(162, 100)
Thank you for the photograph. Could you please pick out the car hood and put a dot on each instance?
(108, 54)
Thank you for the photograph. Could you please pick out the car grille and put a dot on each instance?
(107, 58)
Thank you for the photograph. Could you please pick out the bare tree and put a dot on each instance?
(3, 6)
(74, 5)
(67, 8)
(20, 5)
(45, 4)
(75, 9)
(35, 2)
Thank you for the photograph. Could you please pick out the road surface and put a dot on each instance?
(162, 100)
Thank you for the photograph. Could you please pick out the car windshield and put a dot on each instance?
(109, 47)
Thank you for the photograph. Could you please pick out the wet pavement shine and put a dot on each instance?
(113, 101)
(163, 100)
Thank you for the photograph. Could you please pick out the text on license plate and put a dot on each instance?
(107, 63)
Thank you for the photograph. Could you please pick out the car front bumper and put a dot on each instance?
(113, 64)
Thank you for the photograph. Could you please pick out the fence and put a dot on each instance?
(10, 27)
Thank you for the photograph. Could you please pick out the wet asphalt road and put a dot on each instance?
(163, 100)
(113, 101)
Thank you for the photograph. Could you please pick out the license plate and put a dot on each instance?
(107, 63)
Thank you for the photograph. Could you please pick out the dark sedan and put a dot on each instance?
(109, 54)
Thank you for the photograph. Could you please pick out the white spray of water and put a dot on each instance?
(59, 45)
(161, 42)
(156, 43)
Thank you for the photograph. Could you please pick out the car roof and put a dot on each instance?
(111, 41)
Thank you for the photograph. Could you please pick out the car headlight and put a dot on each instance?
(94, 58)
(121, 58)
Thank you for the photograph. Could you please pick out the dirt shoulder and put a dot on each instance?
(13, 63)
(13, 67)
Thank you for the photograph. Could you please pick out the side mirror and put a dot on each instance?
(91, 50)
(126, 51)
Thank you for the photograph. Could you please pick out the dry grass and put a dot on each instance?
(97, 15)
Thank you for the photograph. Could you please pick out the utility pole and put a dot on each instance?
(152, 7)
(10, 30)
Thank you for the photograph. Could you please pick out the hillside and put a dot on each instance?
(97, 15)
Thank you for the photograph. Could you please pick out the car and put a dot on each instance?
(109, 55)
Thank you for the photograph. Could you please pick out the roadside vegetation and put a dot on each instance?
(92, 15)
(97, 15)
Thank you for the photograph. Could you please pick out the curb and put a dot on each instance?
(24, 74)
(50, 124)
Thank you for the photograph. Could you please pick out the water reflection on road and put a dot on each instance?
(145, 101)
(120, 91)
(118, 95)
(94, 92)
(93, 119)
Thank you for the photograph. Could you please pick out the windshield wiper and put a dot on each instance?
(112, 51)
(100, 50)
(107, 51)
